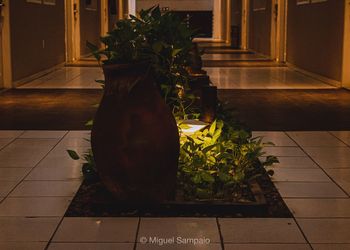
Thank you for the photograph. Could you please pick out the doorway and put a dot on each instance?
(86, 20)
(90, 24)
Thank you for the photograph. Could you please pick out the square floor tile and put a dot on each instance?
(64, 173)
(277, 138)
(43, 134)
(97, 230)
(295, 162)
(301, 175)
(326, 230)
(342, 135)
(23, 245)
(330, 157)
(260, 230)
(284, 151)
(21, 229)
(34, 206)
(179, 227)
(33, 143)
(309, 190)
(46, 188)
(317, 208)
(13, 174)
(211, 246)
(10, 133)
(91, 246)
(4, 142)
(316, 139)
(25, 152)
(6, 187)
(341, 177)
(72, 142)
(331, 246)
(267, 247)
(58, 160)
(78, 134)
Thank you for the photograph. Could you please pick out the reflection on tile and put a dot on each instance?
(318, 208)
(23, 245)
(316, 139)
(61, 173)
(34, 206)
(266, 230)
(331, 246)
(91, 246)
(179, 227)
(342, 135)
(341, 177)
(284, 151)
(46, 188)
(13, 174)
(6, 187)
(301, 175)
(97, 230)
(326, 230)
(330, 157)
(309, 189)
(262, 78)
(10, 133)
(68, 77)
(277, 138)
(267, 247)
(21, 229)
(78, 134)
(43, 134)
(295, 162)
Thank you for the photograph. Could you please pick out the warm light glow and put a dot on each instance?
(192, 126)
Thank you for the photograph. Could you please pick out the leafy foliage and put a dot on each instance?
(215, 164)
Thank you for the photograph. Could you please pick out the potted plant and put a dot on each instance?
(134, 137)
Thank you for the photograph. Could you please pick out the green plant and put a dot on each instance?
(215, 164)
(89, 168)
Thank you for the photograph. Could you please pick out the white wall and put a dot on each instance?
(195, 5)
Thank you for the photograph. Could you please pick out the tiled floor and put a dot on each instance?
(68, 77)
(263, 78)
(223, 78)
(39, 180)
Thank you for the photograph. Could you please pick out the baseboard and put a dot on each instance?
(316, 76)
(37, 75)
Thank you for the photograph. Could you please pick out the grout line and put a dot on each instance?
(302, 232)
(137, 233)
(54, 232)
(347, 145)
(33, 167)
(346, 193)
(220, 234)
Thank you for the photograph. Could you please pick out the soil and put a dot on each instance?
(94, 200)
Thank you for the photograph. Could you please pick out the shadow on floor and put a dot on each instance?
(65, 109)
(291, 109)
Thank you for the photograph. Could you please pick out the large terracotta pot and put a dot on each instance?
(134, 138)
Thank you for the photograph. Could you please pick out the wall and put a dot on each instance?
(199, 5)
(260, 26)
(315, 37)
(90, 24)
(37, 37)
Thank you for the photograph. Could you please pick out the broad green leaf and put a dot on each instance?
(73, 154)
